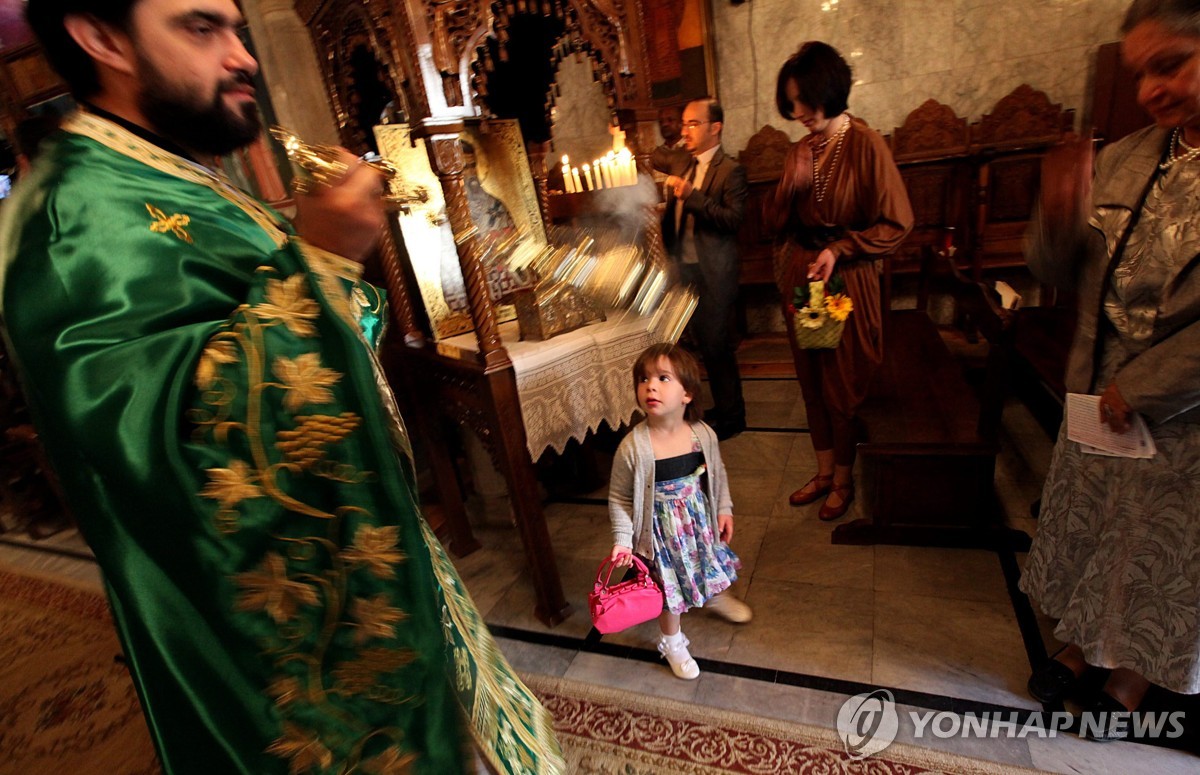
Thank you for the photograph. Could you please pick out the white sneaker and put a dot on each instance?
(728, 607)
(681, 662)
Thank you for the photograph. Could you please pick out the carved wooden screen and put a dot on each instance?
(1009, 144)
(763, 159)
(930, 148)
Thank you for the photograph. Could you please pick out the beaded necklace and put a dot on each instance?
(1173, 158)
(821, 181)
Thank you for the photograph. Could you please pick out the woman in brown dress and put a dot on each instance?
(842, 206)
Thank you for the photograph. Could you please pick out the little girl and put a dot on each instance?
(668, 483)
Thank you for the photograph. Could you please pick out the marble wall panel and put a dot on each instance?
(1084, 22)
(927, 34)
(965, 53)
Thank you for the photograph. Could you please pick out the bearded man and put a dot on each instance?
(206, 391)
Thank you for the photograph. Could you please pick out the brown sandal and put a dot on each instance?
(829, 513)
(823, 485)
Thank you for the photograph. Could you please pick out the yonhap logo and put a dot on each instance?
(867, 723)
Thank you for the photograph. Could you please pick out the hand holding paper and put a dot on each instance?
(1086, 426)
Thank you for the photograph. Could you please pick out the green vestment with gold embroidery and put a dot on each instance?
(205, 391)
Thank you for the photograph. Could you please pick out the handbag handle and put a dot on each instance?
(602, 580)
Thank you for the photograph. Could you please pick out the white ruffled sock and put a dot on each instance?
(675, 649)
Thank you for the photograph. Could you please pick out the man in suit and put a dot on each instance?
(706, 197)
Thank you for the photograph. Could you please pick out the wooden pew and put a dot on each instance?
(763, 159)
(931, 150)
(1007, 146)
(929, 451)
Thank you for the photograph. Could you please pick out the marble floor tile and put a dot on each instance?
(488, 575)
(72, 570)
(770, 700)
(748, 535)
(777, 390)
(535, 657)
(757, 451)
(802, 458)
(797, 549)
(515, 607)
(582, 530)
(710, 635)
(1005, 750)
(645, 678)
(776, 415)
(754, 491)
(806, 628)
(68, 541)
(956, 648)
(966, 574)
(1069, 754)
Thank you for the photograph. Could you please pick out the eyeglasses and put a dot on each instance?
(694, 124)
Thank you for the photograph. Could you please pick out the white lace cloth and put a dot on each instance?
(571, 383)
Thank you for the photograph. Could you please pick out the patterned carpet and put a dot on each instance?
(605, 732)
(68, 706)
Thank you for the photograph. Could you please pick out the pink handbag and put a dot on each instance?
(629, 603)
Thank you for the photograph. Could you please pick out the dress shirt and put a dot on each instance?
(687, 238)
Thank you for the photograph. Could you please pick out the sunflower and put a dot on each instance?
(839, 306)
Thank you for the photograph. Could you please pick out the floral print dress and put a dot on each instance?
(1117, 553)
(693, 563)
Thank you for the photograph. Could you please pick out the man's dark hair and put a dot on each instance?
(822, 77)
(716, 113)
(46, 18)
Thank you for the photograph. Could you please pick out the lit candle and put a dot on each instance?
(566, 171)
(575, 180)
(605, 173)
(628, 170)
(630, 166)
(587, 176)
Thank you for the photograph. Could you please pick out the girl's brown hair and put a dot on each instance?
(685, 366)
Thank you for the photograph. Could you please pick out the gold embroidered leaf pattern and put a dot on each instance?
(164, 223)
(269, 589)
(362, 674)
(231, 485)
(392, 761)
(217, 352)
(285, 690)
(305, 379)
(462, 669)
(306, 444)
(302, 749)
(375, 547)
(376, 618)
(289, 302)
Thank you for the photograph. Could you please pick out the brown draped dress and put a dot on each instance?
(864, 215)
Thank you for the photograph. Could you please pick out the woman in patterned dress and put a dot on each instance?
(1117, 554)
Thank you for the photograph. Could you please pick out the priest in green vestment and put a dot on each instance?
(202, 374)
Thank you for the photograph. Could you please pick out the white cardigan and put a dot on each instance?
(631, 486)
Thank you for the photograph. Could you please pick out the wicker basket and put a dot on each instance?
(827, 337)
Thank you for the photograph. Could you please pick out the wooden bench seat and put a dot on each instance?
(930, 441)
